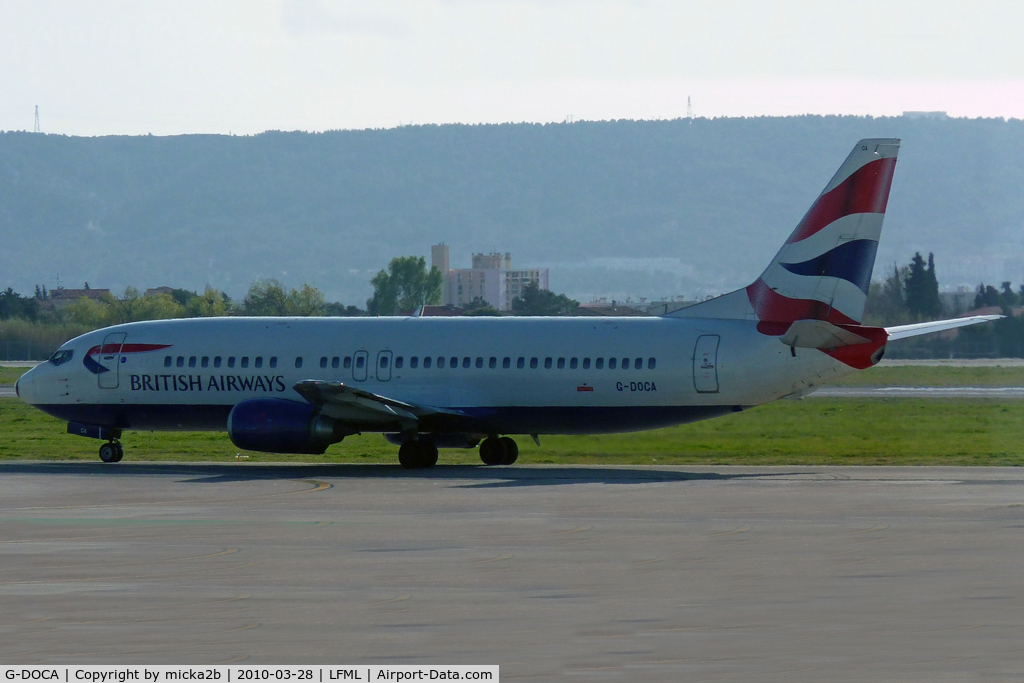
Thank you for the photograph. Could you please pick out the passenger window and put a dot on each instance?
(167, 361)
(651, 363)
(205, 362)
(613, 363)
(427, 360)
(383, 361)
(258, 362)
(440, 361)
(360, 361)
(216, 361)
(191, 361)
(245, 361)
(547, 363)
(399, 362)
(298, 361)
(336, 362)
(273, 361)
(231, 362)
(180, 362)
(573, 363)
(599, 363)
(561, 363)
(586, 363)
(492, 362)
(323, 361)
(466, 362)
(638, 364)
(521, 363)
(348, 362)
(480, 362)
(414, 362)
(625, 364)
(533, 363)
(506, 362)
(453, 362)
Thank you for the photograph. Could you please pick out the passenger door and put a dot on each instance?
(384, 366)
(705, 364)
(359, 366)
(110, 360)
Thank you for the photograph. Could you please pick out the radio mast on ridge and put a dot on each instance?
(37, 129)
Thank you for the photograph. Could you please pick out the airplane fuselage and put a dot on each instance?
(495, 375)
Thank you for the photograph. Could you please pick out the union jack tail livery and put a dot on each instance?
(824, 269)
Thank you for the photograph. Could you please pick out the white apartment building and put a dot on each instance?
(491, 278)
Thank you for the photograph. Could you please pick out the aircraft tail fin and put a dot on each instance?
(823, 270)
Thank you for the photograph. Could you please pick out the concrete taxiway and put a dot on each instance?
(582, 573)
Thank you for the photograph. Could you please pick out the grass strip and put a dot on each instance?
(897, 431)
(8, 376)
(934, 376)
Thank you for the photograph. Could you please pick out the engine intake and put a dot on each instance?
(277, 425)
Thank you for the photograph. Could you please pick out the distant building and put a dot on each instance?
(153, 291)
(491, 279)
(60, 297)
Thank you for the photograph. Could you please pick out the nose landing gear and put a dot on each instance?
(111, 451)
(495, 451)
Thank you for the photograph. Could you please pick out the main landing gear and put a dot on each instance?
(415, 454)
(495, 451)
(111, 452)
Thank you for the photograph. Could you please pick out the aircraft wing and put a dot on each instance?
(358, 407)
(904, 331)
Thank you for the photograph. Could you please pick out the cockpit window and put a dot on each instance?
(62, 356)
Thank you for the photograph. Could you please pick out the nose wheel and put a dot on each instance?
(495, 451)
(111, 452)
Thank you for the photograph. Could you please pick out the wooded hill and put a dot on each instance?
(618, 208)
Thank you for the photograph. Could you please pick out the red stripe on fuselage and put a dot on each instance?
(126, 348)
(865, 191)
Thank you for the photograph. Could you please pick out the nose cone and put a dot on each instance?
(26, 386)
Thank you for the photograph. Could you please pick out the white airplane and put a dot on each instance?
(298, 385)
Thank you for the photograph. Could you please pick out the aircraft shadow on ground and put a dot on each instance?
(478, 475)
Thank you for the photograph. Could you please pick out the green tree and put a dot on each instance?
(405, 286)
(922, 288)
(887, 304)
(211, 303)
(269, 297)
(13, 305)
(340, 310)
(537, 301)
(987, 296)
(479, 307)
(1008, 298)
(266, 297)
(307, 301)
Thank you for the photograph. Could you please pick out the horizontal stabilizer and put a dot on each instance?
(904, 331)
(819, 334)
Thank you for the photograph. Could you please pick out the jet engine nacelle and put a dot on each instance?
(277, 425)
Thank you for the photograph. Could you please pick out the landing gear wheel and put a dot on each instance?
(414, 454)
(492, 451)
(409, 455)
(429, 454)
(511, 451)
(111, 452)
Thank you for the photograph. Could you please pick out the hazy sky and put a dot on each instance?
(104, 66)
